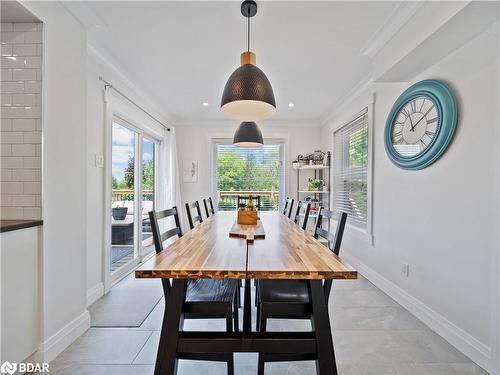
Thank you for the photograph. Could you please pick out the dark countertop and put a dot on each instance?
(9, 225)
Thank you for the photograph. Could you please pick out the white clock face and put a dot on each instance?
(415, 126)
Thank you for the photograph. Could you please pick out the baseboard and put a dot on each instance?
(477, 351)
(54, 345)
(94, 293)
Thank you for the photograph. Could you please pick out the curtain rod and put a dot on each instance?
(107, 84)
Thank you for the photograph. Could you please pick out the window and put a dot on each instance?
(248, 171)
(350, 170)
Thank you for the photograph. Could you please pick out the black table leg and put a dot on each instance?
(166, 359)
(247, 309)
(325, 364)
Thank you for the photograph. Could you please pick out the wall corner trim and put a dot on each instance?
(58, 342)
(476, 350)
(94, 293)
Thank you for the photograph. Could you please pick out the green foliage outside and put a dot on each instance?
(358, 157)
(242, 172)
(128, 179)
(248, 171)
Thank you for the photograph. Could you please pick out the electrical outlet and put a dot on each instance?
(99, 161)
(405, 270)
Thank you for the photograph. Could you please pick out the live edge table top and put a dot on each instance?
(207, 251)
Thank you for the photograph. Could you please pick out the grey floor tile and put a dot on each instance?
(105, 346)
(373, 335)
(387, 317)
(427, 369)
(147, 355)
(153, 321)
(428, 347)
(469, 368)
(82, 369)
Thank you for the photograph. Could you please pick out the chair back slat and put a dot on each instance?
(334, 240)
(193, 219)
(246, 198)
(211, 205)
(206, 208)
(158, 237)
(287, 211)
(305, 207)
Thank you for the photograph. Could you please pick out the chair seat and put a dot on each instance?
(211, 290)
(283, 291)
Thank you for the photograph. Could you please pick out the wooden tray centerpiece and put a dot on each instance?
(247, 225)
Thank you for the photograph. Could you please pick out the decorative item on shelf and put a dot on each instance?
(421, 124)
(248, 94)
(315, 185)
(318, 156)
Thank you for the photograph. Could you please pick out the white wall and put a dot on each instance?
(64, 178)
(194, 143)
(441, 220)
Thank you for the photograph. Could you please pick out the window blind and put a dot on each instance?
(350, 169)
(249, 171)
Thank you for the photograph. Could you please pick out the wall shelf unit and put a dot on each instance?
(317, 198)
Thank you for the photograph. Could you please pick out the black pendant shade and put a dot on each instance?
(248, 94)
(248, 134)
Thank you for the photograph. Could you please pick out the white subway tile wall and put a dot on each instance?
(21, 131)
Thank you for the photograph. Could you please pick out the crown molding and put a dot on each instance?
(83, 14)
(136, 92)
(356, 91)
(396, 20)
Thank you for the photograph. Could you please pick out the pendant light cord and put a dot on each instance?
(248, 31)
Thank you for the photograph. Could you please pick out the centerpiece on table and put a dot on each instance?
(247, 214)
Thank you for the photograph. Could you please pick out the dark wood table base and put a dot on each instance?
(175, 343)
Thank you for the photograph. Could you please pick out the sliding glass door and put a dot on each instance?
(133, 184)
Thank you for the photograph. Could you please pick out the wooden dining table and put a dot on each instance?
(207, 251)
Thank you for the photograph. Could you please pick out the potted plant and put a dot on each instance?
(316, 185)
(119, 212)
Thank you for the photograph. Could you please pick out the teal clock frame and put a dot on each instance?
(446, 104)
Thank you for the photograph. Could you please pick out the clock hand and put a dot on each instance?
(411, 123)
(426, 113)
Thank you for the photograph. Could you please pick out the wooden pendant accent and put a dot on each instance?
(248, 58)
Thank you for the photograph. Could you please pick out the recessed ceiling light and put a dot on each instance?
(291, 105)
(204, 104)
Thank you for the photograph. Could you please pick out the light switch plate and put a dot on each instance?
(99, 161)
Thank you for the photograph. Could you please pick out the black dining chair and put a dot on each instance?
(245, 198)
(303, 209)
(210, 210)
(205, 298)
(193, 219)
(287, 211)
(290, 299)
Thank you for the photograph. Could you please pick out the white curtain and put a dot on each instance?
(169, 173)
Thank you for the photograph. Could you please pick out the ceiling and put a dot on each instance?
(12, 11)
(181, 53)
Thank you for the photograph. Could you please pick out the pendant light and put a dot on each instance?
(248, 94)
(248, 134)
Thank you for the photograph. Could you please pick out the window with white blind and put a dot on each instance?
(248, 171)
(350, 170)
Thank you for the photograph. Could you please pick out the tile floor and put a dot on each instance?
(373, 335)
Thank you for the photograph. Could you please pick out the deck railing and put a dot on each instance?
(228, 200)
(128, 195)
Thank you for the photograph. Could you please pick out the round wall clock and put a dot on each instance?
(420, 125)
